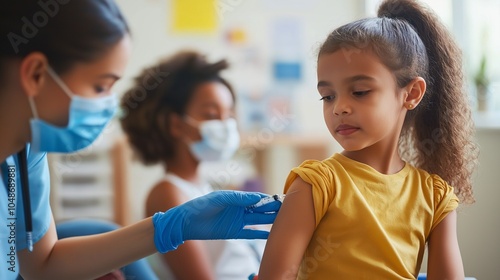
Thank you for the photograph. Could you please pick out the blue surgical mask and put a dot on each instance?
(87, 119)
(219, 139)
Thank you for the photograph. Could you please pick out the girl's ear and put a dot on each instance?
(415, 91)
(33, 72)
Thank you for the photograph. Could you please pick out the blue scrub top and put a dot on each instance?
(12, 228)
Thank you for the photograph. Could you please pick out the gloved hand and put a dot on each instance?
(218, 215)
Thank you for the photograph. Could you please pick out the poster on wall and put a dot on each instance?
(194, 16)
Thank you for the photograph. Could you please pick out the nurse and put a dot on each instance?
(58, 63)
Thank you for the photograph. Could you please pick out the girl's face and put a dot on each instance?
(210, 101)
(362, 105)
(89, 80)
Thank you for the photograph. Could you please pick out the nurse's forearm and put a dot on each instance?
(89, 257)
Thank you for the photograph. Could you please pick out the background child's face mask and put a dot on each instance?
(219, 139)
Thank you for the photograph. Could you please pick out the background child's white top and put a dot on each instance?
(230, 259)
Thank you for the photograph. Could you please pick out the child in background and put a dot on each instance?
(185, 118)
(393, 94)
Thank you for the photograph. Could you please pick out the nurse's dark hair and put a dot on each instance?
(161, 90)
(66, 31)
(409, 39)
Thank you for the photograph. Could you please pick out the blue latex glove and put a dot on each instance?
(218, 215)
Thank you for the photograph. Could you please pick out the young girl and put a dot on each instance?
(392, 91)
(187, 119)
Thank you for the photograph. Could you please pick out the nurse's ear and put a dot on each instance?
(33, 73)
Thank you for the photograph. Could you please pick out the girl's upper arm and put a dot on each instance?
(445, 261)
(290, 234)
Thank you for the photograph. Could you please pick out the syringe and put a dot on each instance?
(266, 200)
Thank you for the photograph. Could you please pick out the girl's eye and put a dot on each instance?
(327, 98)
(360, 93)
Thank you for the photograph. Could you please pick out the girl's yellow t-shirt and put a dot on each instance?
(370, 225)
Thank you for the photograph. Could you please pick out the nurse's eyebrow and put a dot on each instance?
(109, 75)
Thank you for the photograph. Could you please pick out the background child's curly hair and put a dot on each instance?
(158, 92)
(411, 41)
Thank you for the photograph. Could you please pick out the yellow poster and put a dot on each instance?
(194, 15)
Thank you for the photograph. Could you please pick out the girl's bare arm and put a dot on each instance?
(290, 234)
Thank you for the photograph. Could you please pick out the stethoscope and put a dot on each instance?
(25, 189)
